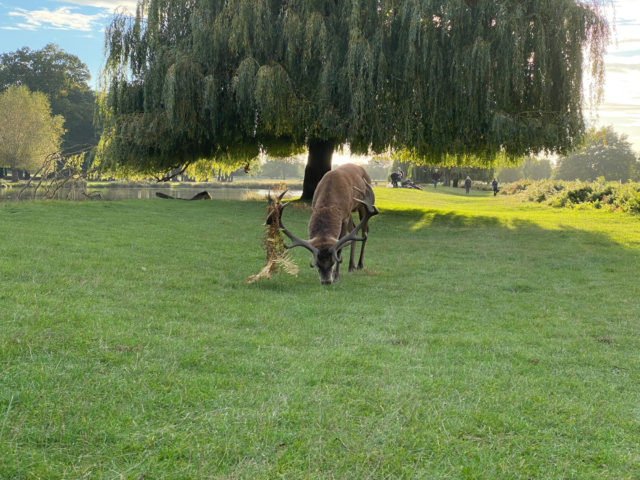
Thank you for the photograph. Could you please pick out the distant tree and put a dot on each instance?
(378, 169)
(604, 154)
(227, 79)
(458, 174)
(510, 174)
(28, 131)
(282, 169)
(449, 175)
(537, 168)
(532, 169)
(63, 78)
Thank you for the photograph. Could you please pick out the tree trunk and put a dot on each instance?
(318, 163)
(446, 182)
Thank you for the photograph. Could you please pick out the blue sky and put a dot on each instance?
(77, 26)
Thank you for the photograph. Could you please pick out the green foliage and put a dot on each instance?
(604, 154)
(63, 78)
(450, 82)
(28, 131)
(600, 194)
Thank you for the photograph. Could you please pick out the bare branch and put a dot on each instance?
(170, 176)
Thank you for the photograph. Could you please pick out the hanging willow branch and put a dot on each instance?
(466, 78)
(176, 171)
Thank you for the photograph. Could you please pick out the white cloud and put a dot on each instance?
(62, 18)
(68, 17)
(110, 5)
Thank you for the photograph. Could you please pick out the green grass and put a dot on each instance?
(487, 339)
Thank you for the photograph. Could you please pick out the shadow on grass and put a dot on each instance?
(416, 219)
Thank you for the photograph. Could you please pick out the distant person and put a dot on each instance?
(408, 183)
(396, 177)
(436, 177)
(494, 185)
(467, 184)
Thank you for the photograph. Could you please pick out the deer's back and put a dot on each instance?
(336, 188)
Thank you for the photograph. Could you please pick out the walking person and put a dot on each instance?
(494, 185)
(467, 184)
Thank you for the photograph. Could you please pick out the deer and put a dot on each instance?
(331, 227)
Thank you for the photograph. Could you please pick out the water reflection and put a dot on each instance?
(120, 193)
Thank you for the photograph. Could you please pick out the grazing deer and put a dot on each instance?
(341, 191)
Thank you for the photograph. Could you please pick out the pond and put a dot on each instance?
(125, 193)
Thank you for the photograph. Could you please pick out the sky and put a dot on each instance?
(77, 26)
(621, 106)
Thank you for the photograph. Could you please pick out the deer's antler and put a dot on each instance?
(298, 242)
(277, 208)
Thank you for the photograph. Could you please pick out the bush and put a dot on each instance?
(559, 193)
(580, 195)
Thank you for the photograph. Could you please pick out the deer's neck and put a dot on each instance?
(325, 224)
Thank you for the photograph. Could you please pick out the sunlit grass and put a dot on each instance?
(485, 339)
(509, 211)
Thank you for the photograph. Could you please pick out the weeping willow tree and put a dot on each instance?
(223, 80)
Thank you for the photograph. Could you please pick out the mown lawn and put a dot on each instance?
(486, 340)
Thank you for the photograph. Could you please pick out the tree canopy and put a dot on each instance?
(28, 131)
(440, 78)
(61, 76)
(604, 154)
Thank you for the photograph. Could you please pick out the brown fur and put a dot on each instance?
(333, 201)
(332, 205)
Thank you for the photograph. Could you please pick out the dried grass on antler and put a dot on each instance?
(278, 257)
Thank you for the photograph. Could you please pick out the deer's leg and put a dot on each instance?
(352, 250)
(352, 256)
(346, 226)
(365, 234)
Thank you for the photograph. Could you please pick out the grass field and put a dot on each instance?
(486, 339)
